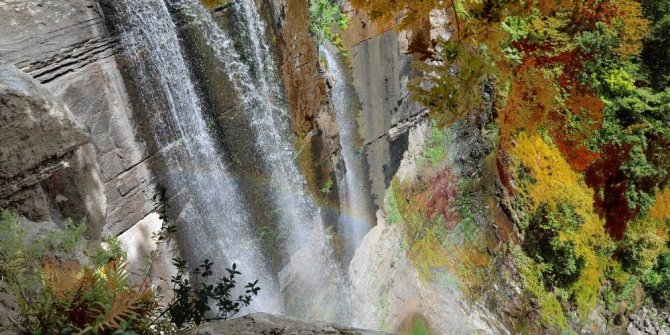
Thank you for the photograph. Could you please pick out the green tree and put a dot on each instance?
(561, 266)
(656, 50)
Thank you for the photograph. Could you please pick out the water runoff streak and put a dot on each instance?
(355, 218)
(213, 223)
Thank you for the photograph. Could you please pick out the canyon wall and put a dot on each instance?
(66, 47)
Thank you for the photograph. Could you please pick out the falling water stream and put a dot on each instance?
(216, 226)
(355, 218)
(213, 223)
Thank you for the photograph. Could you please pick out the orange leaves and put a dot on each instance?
(88, 299)
(531, 97)
(409, 13)
(577, 124)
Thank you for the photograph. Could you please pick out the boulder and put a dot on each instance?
(36, 131)
(262, 323)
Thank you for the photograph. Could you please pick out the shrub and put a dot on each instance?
(87, 300)
(192, 302)
(325, 17)
(657, 281)
(561, 265)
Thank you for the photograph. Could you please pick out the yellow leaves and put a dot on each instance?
(63, 278)
(555, 180)
(92, 299)
(633, 28)
(552, 180)
(661, 208)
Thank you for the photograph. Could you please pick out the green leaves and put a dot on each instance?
(192, 302)
(451, 87)
(561, 266)
(325, 18)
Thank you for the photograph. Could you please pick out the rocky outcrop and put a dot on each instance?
(37, 130)
(38, 138)
(648, 320)
(380, 74)
(65, 45)
(49, 39)
(267, 324)
(387, 291)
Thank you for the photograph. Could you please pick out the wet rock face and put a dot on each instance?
(261, 323)
(298, 58)
(36, 131)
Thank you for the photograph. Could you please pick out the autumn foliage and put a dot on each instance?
(583, 115)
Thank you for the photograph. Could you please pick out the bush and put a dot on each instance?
(192, 303)
(325, 17)
(87, 300)
(561, 265)
(657, 281)
(58, 294)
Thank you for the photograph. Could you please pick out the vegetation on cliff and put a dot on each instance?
(66, 285)
(583, 113)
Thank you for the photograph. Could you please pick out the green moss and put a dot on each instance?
(420, 327)
(392, 210)
(436, 146)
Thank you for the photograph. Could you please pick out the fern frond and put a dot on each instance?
(116, 276)
(127, 305)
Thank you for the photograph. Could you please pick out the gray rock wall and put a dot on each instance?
(65, 45)
(380, 74)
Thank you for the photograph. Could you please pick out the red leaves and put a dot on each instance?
(444, 196)
(610, 183)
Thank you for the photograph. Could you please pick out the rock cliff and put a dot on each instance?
(66, 47)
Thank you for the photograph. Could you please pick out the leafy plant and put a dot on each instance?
(561, 265)
(657, 281)
(452, 86)
(325, 19)
(78, 299)
(328, 186)
(192, 301)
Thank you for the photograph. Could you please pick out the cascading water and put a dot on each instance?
(312, 283)
(213, 223)
(355, 218)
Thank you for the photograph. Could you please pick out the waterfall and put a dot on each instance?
(312, 283)
(356, 216)
(213, 223)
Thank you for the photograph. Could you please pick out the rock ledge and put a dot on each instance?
(267, 324)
